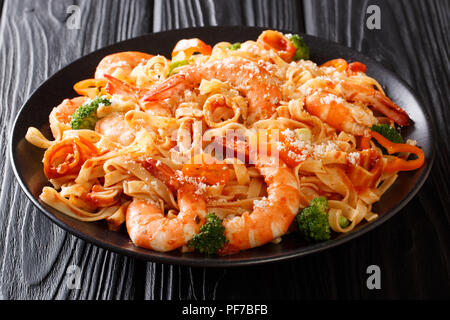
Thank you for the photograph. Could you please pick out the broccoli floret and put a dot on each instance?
(211, 237)
(234, 46)
(313, 220)
(302, 49)
(388, 132)
(320, 203)
(85, 116)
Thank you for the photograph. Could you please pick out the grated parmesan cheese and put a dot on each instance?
(353, 157)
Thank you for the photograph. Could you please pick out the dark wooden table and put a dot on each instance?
(411, 249)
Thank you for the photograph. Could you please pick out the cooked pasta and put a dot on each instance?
(251, 132)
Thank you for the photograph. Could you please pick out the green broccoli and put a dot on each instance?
(320, 203)
(211, 237)
(388, 132)
(302, 49)
(85, 116)
(234, 46)
(177, 64)
(313, 220)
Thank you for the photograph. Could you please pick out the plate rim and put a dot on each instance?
(217, 261)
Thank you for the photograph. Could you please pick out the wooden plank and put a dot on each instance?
(36, 253)
(175, 14)
(413, 248)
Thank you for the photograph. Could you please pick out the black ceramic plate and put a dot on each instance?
(27, 164)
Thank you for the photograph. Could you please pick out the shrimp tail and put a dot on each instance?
(162, 172)
(355, 92)
(167, 88)
(116, 86)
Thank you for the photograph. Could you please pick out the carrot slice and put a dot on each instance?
(90, 87)
(191, 46)
(339, 64)
(277, 41)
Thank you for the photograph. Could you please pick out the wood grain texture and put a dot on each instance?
(35, 253)
(411, 249)
(175, 14)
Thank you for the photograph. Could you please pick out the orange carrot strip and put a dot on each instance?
(191, 46)
(339, 64)
(271, 39)
(89, 87)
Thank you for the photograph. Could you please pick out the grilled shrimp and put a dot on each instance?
(353, 92)
(116, 86)
(338, 113)
(126, 61)
(62, 114)
(271, 217)
(116, 128)
(252, 80)
(334, 105)
(149, 228)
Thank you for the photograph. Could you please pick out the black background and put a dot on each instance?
(411, 249)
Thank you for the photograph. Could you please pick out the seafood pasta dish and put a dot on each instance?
(224, 148)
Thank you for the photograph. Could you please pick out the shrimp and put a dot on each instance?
(271, 217)
(339, 114)
(125, 61)
(343, 106)
(149, 228)
(358, 93)
(116, 128)
(116, 86)
(254, 81)
(62, 114)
